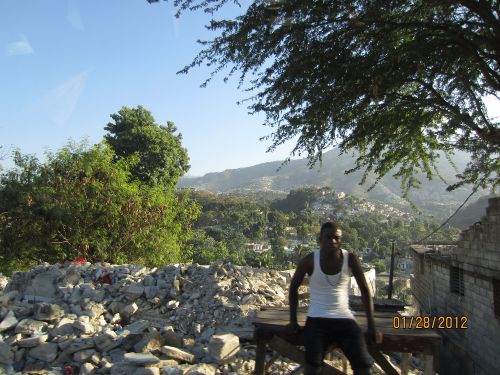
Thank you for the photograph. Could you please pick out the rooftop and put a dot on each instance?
(434, 247)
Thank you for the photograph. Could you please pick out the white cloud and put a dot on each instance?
(73, 16)
(60, 102)
(20, 47)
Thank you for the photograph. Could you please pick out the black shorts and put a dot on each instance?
(346, 333)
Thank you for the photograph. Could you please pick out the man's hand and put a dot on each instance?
(373, 336)
(294, 328)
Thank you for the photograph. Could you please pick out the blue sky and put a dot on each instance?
(65, 66)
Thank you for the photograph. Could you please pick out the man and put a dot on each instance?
(329, 318)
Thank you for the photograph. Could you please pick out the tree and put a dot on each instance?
(379, 265)
(83, 202)
(395, 80)
(162, 159)
(203, 249)
(276, 232)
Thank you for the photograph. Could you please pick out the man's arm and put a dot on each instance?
(366, 296)
(293, 293)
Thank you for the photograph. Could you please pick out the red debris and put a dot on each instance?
(105, 279)
(79, 260)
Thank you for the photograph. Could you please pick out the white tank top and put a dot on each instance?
(330, 293)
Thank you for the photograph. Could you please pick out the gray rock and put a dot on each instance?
(72, 276)
(141, 358)
(83, 324)
(207, 334)
(172, 339)
(202, 369)
(147, 371)
(107, 341)
(87, 369)
(117, 355)
(151, 291)
(76, 295)
(63, 328)
(12, 340)
(122, 369)
(149, 280)
(115, 307)
(46, 351)
(130, 340)
(94, 310)
(6, 355)
(171, 370)
(8, 322)
(76, 346)
(137, 327)
(149, 343)
(42, 285)
(134, 291)
(177, 353)
(7, 298)
(48, 312)
(129, 310)
(83, 355)
(32, 341)
(29, 326)
(223, 347)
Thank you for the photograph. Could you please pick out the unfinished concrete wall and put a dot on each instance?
(473, 350)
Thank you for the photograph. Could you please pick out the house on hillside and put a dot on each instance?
(459, 283)
(405, 264)
(257, 247)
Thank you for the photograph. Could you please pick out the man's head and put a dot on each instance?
(330, 236)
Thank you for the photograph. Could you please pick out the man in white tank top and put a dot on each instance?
(329, 318)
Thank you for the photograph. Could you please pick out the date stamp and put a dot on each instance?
(430, 322)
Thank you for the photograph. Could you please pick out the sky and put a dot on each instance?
(67, 65)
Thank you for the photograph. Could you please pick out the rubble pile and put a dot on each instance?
(125, 319)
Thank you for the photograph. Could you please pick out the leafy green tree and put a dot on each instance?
(379, 265)
(203, 249)
(395, 80)
(162, 159)
(299, 199)
(276, 232)
(83, 202)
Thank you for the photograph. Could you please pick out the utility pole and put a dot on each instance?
(391, 273)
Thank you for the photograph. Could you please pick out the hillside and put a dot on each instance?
(432, 197)
(471, 213)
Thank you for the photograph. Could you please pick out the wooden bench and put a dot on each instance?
(270, 331)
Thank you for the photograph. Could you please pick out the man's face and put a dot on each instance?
(331, 239)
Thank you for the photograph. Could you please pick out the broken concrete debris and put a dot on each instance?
(126, 319)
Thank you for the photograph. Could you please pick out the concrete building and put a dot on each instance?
(459, 283)
(405, 265)
(257, 247)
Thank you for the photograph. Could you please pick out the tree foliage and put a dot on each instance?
(162, 159)
(395, 80)
(84, 202)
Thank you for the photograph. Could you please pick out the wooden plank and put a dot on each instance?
(273, 321)
(429, 365)
(382, 361)
(260, 357)
(405, 363)
(295, 354)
